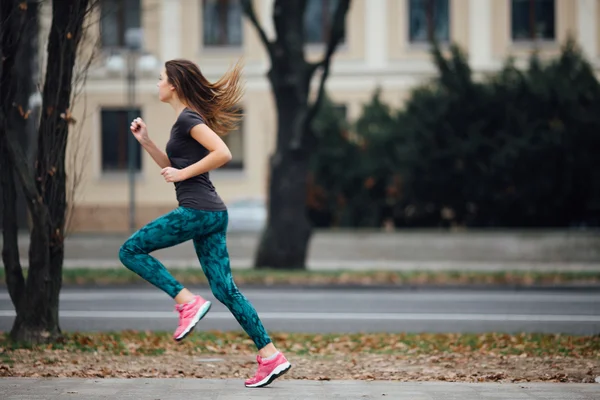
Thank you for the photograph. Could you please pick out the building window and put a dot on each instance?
(533, 20)
(115, 140)
(318, 18)
(235, 141)
(222, 23)
(429, 19)
(117, 17)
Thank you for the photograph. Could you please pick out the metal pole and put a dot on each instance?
(131, 142)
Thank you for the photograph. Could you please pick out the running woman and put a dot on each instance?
(204, 112)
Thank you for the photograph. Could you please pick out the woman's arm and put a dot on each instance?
(218, 155)
(159, 156)
(140, 132)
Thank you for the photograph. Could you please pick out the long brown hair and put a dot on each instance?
(217, 102)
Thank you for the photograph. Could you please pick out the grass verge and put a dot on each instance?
(216, 342)
(194, 276)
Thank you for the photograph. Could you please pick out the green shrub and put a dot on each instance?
(516, 149)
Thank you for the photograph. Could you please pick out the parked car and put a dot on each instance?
(247, 214)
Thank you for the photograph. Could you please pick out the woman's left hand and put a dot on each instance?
(172, 174)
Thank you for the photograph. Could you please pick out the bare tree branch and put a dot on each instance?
(78, 142)
(335, 37)
(248, 8)
(56, 112)
(338, 30)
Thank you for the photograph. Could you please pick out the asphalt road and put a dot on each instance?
(338, 311)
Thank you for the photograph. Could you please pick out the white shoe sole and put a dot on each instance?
(201, 313)
(276, 373)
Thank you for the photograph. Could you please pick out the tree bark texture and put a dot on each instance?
(284, 241)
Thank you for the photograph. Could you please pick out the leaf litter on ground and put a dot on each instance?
(492, 357)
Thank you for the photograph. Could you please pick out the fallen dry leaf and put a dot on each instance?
(402, 357)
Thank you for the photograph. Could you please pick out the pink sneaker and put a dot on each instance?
(268, 371)
(189, 315)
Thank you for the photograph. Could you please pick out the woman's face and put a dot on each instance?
(165, 89)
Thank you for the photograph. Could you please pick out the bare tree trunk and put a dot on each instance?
(14, 20)
(10, 245)
(284, 242)
(38, 320)
(20, 119)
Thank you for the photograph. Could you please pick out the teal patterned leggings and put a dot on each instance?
(208, 231)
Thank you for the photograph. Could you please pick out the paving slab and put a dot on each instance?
(229, 389)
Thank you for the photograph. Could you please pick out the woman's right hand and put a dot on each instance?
(139, 130)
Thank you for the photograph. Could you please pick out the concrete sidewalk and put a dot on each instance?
(364, 250)
(227, 389)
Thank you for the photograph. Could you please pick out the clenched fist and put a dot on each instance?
(171, 174)
(139, 130)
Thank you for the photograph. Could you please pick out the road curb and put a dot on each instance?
(357, 287)
(388, 264)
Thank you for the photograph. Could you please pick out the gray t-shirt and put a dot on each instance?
(183, 150)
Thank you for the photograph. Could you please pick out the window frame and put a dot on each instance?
(237, 165)
(325, 29)
(530, 40)
(121, 25)
(105, 173)
(220, 46)
(426, 43)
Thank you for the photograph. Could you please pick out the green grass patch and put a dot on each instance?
(195, 276)
(5, 359)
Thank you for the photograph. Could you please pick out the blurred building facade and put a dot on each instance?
(385, 46)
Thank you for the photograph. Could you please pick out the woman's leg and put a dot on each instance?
(171, 229)
(166, 231)
(214, 258)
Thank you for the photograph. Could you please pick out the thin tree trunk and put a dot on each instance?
(26, 81)
(10, 245)
(13, 21)
(32, 324)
